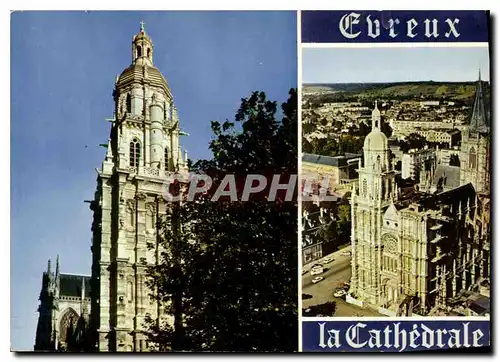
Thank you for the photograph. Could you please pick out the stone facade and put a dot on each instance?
(142, 150)
(64, 312)
(413, 253)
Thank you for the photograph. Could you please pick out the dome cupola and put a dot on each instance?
(142, 48)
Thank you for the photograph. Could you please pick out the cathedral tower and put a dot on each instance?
(143, 148)
(475, 152)
(375, 194)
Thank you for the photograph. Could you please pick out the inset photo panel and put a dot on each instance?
(396, 171)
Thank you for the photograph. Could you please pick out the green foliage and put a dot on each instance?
(337, 232)
(324, 310)
(413, 141)
(334, 147)
(229, 270)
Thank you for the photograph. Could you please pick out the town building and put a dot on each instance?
(340, 171)
(411, 161)
(313, 221)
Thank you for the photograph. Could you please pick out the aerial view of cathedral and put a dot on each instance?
(143, 146)
(413, 252)
(417, 240)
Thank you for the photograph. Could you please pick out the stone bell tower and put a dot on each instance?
(143, 148)
(369, 201)
(475, 151)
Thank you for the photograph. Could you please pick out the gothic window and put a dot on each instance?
(378, 162)
(68, 325)
(135, 152)
(129, 103)
(139, 51)
(390, 244)
(365, 187)
(472, 158)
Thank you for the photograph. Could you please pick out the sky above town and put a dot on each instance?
(394, 64)
(63, 68)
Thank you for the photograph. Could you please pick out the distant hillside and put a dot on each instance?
(458, 91)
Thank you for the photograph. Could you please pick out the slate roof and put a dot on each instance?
(71, 285)
(481, 305)
(479, 121)
(328, 160)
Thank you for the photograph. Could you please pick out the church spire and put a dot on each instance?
(479, 119)
(376, 117)
(57, 266)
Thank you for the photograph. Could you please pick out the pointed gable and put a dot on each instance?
(391, 214)
(479, 122)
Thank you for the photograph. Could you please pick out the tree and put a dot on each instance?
(414, 140)
(386, 129)
(228, 270)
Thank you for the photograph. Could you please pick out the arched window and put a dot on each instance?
(67, 325)
(378, 162)
(472, 158)
(166, 158)
(135, 152)
(149, 52)
(129, 103)
(139, 51)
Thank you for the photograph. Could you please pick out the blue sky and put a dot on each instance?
(372, 65)
(63, 67)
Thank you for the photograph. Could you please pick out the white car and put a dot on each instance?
(327, 260)
(317, 280)
(339, 293)
(317, 269)
(346, 253)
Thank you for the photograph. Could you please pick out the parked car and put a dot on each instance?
(304, 271)
(346, 253)
(339, 292)
(317, 280)
(317, 269)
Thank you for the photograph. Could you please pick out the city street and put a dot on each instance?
(335, 274)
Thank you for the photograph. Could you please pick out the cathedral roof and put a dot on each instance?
(376, 140)
(71, 285)
(137, 73)
(479, 121)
